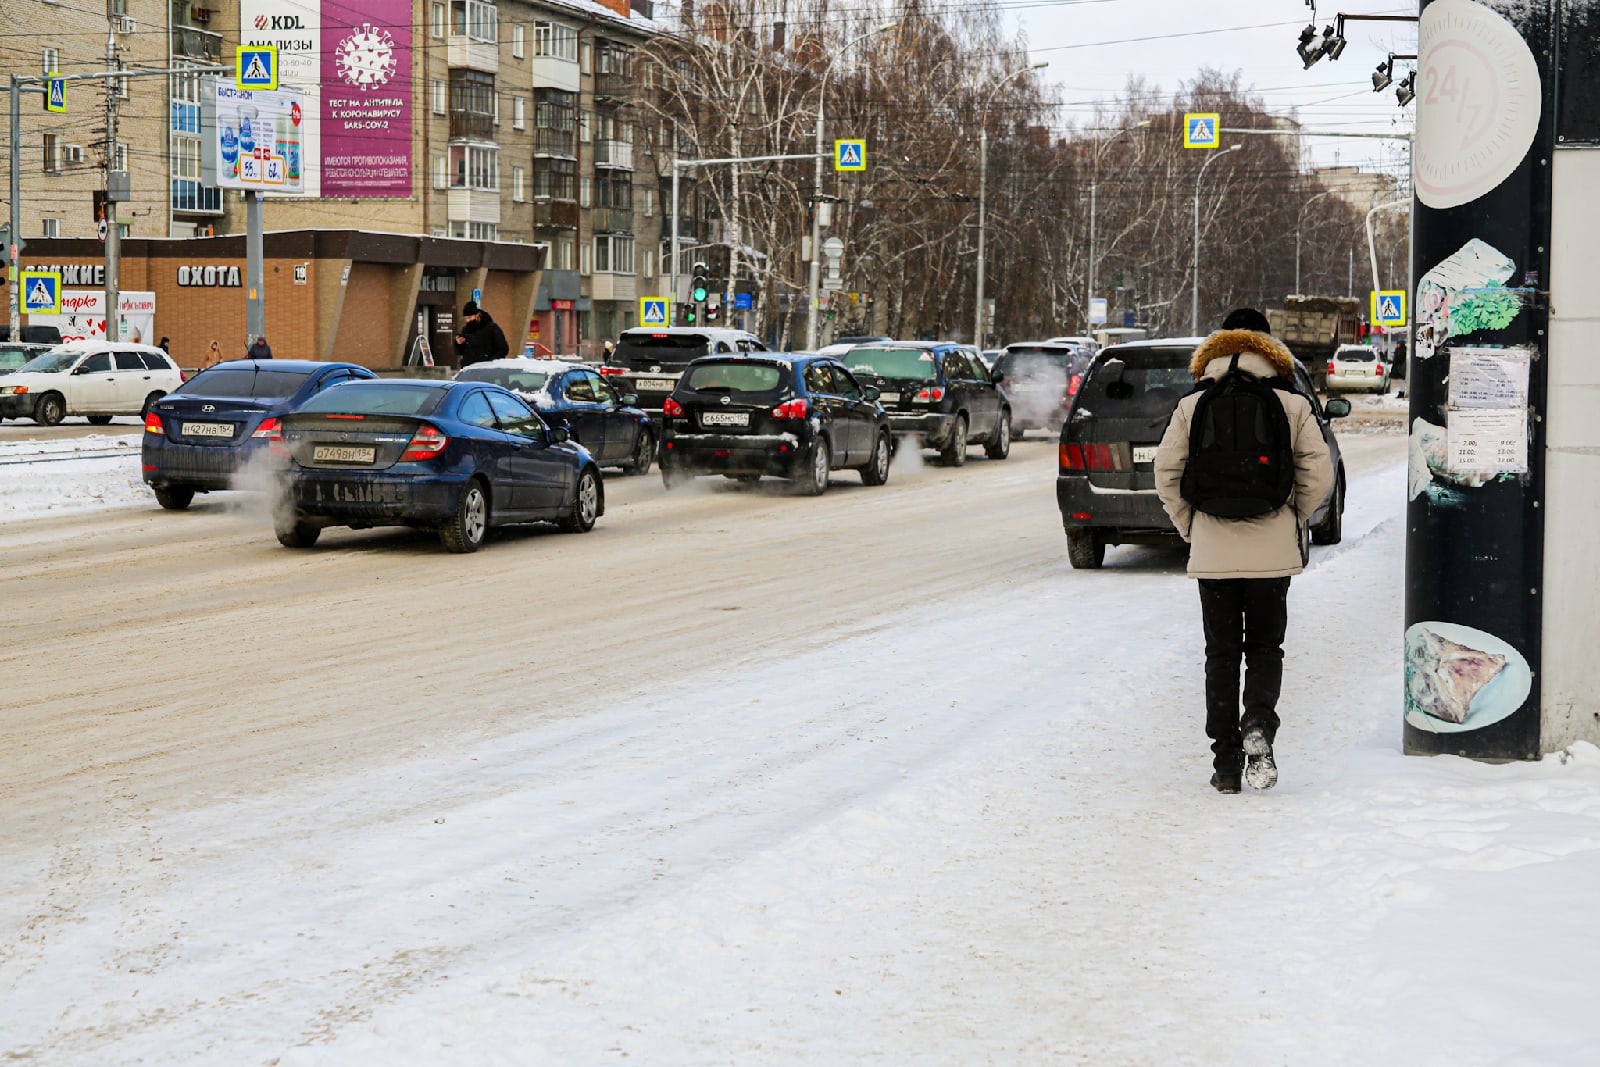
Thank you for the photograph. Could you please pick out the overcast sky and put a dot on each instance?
(1093, 46)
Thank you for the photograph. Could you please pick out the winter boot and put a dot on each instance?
(1260, 770)
(1225, 782)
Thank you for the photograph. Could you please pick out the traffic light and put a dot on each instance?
(690, 315)
(713, 312)
(701, 286)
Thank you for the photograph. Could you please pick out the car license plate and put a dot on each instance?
(889, 398)
(208, 429)
(655, 385)
(342, 454)
(1144, 454)
(724, 418)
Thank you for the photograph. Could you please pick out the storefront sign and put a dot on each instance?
(73, 274)
(83, 316)
(209, 277)
(560, 305)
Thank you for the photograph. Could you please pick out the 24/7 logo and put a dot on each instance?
(279, 22)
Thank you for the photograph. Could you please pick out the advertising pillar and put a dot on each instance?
(1476, 568)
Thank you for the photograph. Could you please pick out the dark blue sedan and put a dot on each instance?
(211, 431)
(456, 457)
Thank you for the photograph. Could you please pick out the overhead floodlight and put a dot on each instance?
(1310, 53)
(1383, 76)
(1334, 46)
(1407, 90)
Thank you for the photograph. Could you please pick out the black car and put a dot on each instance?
(1039, 379)
(456, 457)
(786, 416)
(646, 360)
(211, 429)
(939, 393)
(595, 414)
(1106, 482)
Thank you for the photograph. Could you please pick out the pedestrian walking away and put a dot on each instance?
(213, 355)
(260, 350)
(480, 338)
(1240, 470)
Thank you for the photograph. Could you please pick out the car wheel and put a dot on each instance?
(1331, 531)
(954, 453)
(295, 534)
(585, 503)
(999, 446)
(876, 472)
(1086, 548)
(644, 453)
(98, 420)
(174, 497)
(815, 481)
(470, 525)
(149, 402)
(50, 410)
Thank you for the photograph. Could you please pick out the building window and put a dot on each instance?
(519, 46)
(517, 188)
(120, 157)
(614, 190)
(648, 197)
(566, 252)
(474, 19)
(585, 192)
(436, 21)
(189, 192)
(585, 62)
(441, 172)
(583, 259)
(475, 231)
(497, 109)
(519, 113)
(647, 268)
(614, 60)
(50, 227)
(52, 153)
(551, 40)
(554, 179)
(613, 254)
(441, 99)
(473, 105)
(51, 60)
(474, 166)
(586, 126)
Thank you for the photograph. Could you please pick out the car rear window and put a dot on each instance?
(914, 363)
(11, 358)
(378, 398)
(1147, 385)
(732, 377)
(526, 381)
(642, 351)
(1356, 355)
(244, 382)
(1037, 362)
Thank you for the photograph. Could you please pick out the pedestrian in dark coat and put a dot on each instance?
(480, 338)
(1244, 565)
(260, 350)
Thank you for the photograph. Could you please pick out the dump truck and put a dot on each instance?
(1314, 327)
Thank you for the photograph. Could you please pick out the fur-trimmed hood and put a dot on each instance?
(1224, 343)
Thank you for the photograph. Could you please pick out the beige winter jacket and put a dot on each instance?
(1267, 546)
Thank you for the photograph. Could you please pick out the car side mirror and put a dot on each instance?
(997, 376)
(559, 434)
(1337, 408)
(80, 370)
(629, 400)
(870, 392)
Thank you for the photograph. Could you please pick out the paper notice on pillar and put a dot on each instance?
(366, 98)
(1488, 441)
(1483, 377)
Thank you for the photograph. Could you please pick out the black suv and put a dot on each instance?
(939, 392)
(1106, 482)
(787, 416)
(1039, 380)
(648, 359)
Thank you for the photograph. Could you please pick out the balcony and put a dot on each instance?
(473, 205)
(613, 87)
(190, 43)
(686, 228)
(554, 143)
(613, 287)
(551, 72)
(471, 126)
(611, 220)
(617, 155)
(472, 54)
(556, 214)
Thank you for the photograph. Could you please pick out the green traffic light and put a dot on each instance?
(699, 294)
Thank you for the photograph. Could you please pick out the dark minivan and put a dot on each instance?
(1106, 482)
(939, 393)
(785, 416)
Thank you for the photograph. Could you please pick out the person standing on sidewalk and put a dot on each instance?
(480, 338)
(1244, 564)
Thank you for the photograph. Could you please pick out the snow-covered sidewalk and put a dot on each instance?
(984, 840)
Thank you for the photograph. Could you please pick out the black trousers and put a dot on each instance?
(1244, 618)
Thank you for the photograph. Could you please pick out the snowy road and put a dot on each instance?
(741, 778)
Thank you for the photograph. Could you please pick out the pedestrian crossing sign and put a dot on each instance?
(1389, 307)
(1202, 129)
(255, 67)
(653, 311)
(850, 155)
(56, 98)
(41, 292)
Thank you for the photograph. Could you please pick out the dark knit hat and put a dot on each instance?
(471, 308)
(1247, 319)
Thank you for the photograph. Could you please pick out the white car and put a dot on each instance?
(1358, 369)
(96, 379)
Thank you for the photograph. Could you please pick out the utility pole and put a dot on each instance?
(1194, 306)
(16, 210)
(113, 233)
(983, 189)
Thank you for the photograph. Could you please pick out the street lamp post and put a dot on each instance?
(1297, 222)
(1094, 182)
(983, 189)
(1194, 304)
(815, 288)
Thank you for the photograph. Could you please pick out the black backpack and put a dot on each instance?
(1241, 453)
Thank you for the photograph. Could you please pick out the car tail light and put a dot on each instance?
(1379, 367)
(1082, 516)
(791, 409)
(1330, 367)
(670, 406)
(269, 430)
(1092, 458)
(613, 370)
(1073, 383)
(930, 395)
(1071, 458)
(426, 443)
(184, 375)
(152, 423)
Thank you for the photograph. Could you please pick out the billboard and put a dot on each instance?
(83, 316)
(352, 60)
(256, 140)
